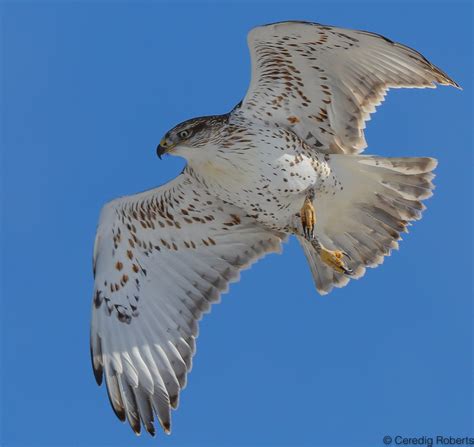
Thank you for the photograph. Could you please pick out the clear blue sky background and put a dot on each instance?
(88, 89)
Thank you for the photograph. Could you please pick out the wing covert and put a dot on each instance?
(161, 259)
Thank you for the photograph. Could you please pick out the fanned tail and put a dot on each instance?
(376, 200)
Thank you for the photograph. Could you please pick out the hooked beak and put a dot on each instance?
(163, 148)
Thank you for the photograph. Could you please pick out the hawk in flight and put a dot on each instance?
(285, 161)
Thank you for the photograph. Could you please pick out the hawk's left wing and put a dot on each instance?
(323, 82)
(161, 258)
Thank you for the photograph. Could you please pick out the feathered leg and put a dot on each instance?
(308, 215)
(332, 258)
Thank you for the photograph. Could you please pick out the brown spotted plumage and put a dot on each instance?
(285, 154)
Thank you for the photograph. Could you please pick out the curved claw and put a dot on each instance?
(334, 259)
(347, 270)
(346, 255)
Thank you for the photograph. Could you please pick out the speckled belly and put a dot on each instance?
(271, 186)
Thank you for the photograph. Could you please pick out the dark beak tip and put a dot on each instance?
(159, 151)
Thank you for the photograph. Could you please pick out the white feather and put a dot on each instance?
(153, 285)
(301, 68)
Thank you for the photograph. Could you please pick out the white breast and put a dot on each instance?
(268, 180)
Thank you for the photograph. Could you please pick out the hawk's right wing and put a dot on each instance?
(323, 82)
(161, 258)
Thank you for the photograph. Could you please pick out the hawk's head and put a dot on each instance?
(191, 136)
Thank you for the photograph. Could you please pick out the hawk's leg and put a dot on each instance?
(332, 258)
(308, 215)
(335, 260)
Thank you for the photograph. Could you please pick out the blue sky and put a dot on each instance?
(88, 89)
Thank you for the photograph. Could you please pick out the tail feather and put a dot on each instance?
(375, 204)
(324, 277)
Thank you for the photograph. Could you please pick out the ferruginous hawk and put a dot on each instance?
(285, 161)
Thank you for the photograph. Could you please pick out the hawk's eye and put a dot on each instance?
(184, 134)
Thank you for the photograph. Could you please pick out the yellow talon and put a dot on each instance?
(335, 260)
